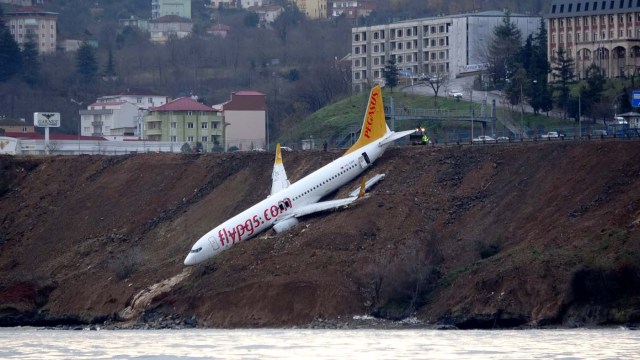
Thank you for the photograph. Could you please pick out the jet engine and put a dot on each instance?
(285, 225)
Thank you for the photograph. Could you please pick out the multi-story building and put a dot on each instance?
(245, 116)
(312, 9)
(162, 28)
(142, 100)
(352, 9)
(30, 22)
(267, 13)
(181, 8)
(184, 120)
(602, 32)
(445, 45)
(15, 125)
(115, 120)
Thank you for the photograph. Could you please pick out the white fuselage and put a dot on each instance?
(264, 214)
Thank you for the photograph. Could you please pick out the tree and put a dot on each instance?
(110, 69)
(10, 56)
(251, 19)
(390, 73)
(563, 75)
(503, 48)
(87, 64)
(30, 71)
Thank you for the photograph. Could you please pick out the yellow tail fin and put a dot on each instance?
(374, 125)
(278, 160)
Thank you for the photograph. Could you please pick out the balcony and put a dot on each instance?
(96, 123)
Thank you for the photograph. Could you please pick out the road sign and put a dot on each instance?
(46, 119)
(635, 98)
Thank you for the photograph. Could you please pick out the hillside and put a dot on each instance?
(482, 237)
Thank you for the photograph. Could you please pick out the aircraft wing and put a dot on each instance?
(319, 206)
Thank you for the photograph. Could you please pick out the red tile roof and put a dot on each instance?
(183, 104)
(170, 19)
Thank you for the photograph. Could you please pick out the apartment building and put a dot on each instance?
(114, 120)
(312, 9)
(181, 8)
(245, 116)
(162, 28)
(31, 22)
(184, 120)
(601, 32)
(351, 9)
(445, 45)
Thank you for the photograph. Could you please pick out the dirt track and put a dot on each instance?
(544, 234)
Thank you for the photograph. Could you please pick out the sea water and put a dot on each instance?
(34, 343)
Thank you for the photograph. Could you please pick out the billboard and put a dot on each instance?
(46, 119)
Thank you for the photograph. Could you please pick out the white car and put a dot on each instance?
(285, 148)
(455, 93)
(483, 138)
(503, 138)
(552, 134)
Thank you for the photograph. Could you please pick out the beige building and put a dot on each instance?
(312, 9)
(162, 28)
(245, 117)
(29, 22)
(605, 33)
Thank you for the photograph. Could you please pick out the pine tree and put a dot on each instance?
(563, 75)
(30, 71)
(503, 50)
(10, 57)
(110, 70)
(391, 74)
(87, 64)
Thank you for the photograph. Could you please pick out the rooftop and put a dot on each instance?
(183, 104)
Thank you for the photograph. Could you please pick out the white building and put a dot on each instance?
(267, 13)
(116, 120)
(162, 28)
(245, 4)
(160, 8)
(445, 45)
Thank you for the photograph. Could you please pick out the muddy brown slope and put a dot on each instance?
(477, 237)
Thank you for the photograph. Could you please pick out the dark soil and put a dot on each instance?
(491, 236)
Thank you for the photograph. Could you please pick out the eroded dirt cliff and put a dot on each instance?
(490, 236)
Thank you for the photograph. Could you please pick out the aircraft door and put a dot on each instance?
(214, 242)
(364, 160)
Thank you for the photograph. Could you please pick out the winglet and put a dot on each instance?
(279, 178)
(374, 125)
(363, 185)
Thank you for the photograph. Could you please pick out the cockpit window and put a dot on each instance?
(193, 251)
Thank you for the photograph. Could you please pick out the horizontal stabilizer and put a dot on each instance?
(374, 180)
(395, 136)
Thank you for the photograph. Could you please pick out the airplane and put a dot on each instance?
(288, 202)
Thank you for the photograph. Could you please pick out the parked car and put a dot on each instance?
(483, 138)
(455, 93)
(552, 134)
(285, 148)
(502, 138)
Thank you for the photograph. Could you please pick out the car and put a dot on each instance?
(285, 148)
(455, 93)
(552, 135)
(483, 138)
(259, 150)
(502, 138)
(599, 133)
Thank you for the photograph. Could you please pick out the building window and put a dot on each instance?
(174, 138)
(204, 125)
(189, 113)
(214, 125)
(204, 139)
(190, 138)
(190, 125)
(174, 125)
(139, 100)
